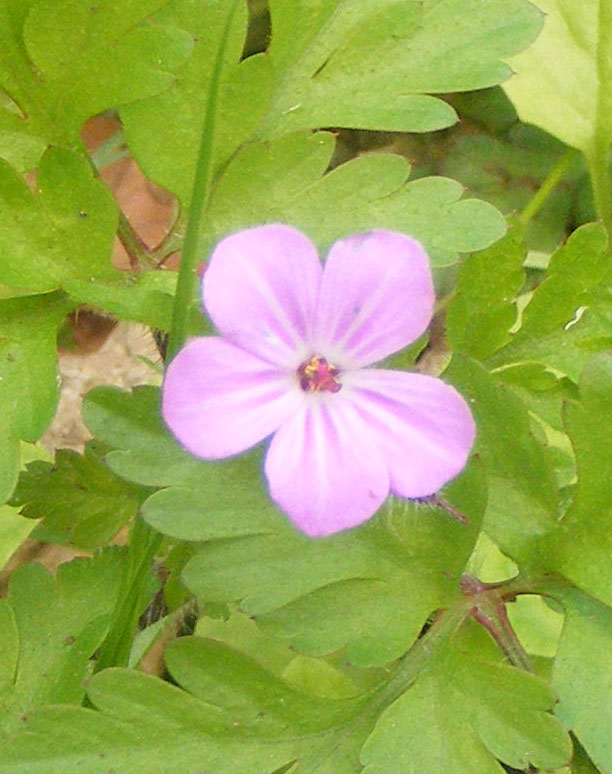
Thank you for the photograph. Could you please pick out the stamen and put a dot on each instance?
(317, 375)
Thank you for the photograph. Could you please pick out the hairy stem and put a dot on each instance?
(200, 196)
(491, 613)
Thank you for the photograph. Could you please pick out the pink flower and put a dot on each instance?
(292, 362)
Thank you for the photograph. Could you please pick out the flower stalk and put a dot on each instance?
(200, 197)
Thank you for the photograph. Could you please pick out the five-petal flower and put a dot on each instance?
(292, 362)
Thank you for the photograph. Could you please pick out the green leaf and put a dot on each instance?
(344, 590)
(329, 678)
(256, 723)
(53, 628)
(582, 545)
(567, 319)
(350, 584)
(64, 231)
(64, 61)
(482, 312)
(164, 131)
(522, 505)
(14, 529)
(236, 716)
(582, 676)
(578, 87)
(80, 501)
(143, 450)
(146, 298)
(28, 374)
(462, 714)
(372, 65)
(9, 453)
(536, 624)
(507, 170)
(145, 453)
(369, 192)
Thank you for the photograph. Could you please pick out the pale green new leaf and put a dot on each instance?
(53, 626)
(14, 529)
(582, 676)
(373, 64)
(63, 61)
(563, 82)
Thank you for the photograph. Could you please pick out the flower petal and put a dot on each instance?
(323, 469)
(423, 427)
(376, 297)
(260, 289)
(219, 400)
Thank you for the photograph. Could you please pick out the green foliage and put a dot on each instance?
(349, 654)
(237, 714)
(285, 579)
(522, 504)
(64, 61)
(577, 103)
(507, 168)
(582, 676)
(344, 591)
(79, 500)
(146, 298)
(581, 548)
(164, 132)
(39, 232)
(372, 65)
(14, 529)
(51, 628)
(567, 319)
(28, 381)
(483, 311)
(462, 715)
(370, 191)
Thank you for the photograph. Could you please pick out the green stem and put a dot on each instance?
(597, 153)
(423, 653)
(597, 161)
(553, 178)
(200, 196)
(115, 650)
(491, 613)
(136, 249)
